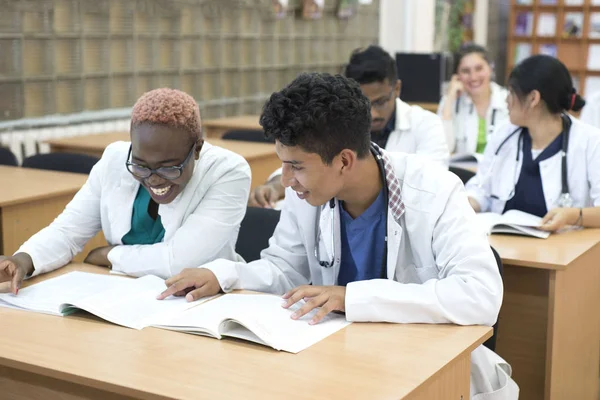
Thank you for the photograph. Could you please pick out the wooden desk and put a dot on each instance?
(31, 200)
(215, 128)
(43, 356)
(549, 327)
(260, 156)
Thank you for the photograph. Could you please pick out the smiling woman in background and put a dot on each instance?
(474, 105)
(165, 201)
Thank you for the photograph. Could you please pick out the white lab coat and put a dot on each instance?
(462, 130)
(590, 114)
(417, 131)
(201, 224)
(583, 165)
(440, 264)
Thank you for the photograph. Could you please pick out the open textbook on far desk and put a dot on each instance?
(514, 222)
(132, 303)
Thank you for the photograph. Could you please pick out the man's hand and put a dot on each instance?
(15, 269)
(265, 196)
(193, 283)
(99, 256)
(328, 298)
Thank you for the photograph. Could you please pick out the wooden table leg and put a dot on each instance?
(452, 382)
(573, 330)
(19, 222)
(549, 329)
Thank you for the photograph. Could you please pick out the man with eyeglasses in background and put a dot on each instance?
(395, 125)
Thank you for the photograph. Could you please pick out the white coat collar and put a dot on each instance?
(402, 115)
(498, 100)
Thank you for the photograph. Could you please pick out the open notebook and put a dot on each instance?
(514, 222)
(132, 303)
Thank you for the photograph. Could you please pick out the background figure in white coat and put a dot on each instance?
(474, 105)
(395, 125)
(165, 201)
(345, 196)
(590, 114)
(522, 167)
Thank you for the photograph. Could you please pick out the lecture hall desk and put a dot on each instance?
(549, 329)
(260, 156)
(30, 200)
(80, 356)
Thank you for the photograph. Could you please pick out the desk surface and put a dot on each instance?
(361, 361)
(236, 122)
(24, 184)
(98, 142)
(556, 252)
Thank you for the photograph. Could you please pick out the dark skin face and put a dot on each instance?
(382, 96)
(156, 146)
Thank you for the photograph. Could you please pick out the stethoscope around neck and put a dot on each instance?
(328, 264)
(564, 200)
(490, 128)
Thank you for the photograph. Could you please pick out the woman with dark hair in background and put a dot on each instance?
(544, 162)
(474, 105)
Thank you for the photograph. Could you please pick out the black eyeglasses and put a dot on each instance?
(168, 173)
(380, 103)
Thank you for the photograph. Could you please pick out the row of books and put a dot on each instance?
(555, 2)
(524, 50)
(547, 25)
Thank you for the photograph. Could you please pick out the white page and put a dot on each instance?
(546, 25)
(265, 317)
(134, 305)
(487, 220)
(196, 319)
(48, 296)
(516, 217)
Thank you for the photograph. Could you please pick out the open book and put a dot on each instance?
(132, 303)
(513, 221)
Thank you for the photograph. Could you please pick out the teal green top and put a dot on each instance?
(481, 136)
(144, 228)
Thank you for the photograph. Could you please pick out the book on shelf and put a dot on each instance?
(548, 49)
(132, 303)
(594, 25)
(522, 51)
(546, 24)
(524, 23)
(573, 26)
(593, 62)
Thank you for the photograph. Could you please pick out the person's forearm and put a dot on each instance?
(275, 182)
(448, 106)
(590, 217)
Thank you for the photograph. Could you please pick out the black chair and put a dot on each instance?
(255, 231)
(65, 162)
(7, 157)
(491, 342)
(463, 174)
(247, 135)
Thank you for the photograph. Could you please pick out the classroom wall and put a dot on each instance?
(66, 56)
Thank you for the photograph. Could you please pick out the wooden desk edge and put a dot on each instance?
(41, 196)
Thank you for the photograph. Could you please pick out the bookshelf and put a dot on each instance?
(566, 29)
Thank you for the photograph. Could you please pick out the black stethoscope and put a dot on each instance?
(376, 151)
(565, 199)
(471, 109)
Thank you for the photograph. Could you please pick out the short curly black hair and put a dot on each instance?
(321, 113)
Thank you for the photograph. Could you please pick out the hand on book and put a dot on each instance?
(193, 283)
(15, 269)
(328, 298)
(558, 218)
